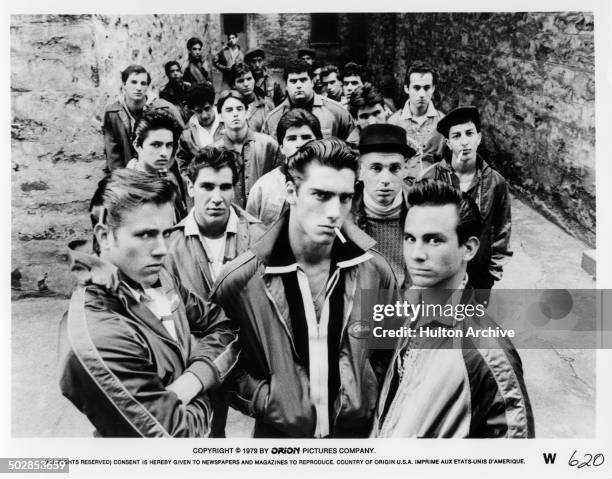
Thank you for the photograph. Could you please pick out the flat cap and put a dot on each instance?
(255, 52)
(458, 116)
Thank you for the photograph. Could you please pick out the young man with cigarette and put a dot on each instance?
(463, 168)
(304, 370)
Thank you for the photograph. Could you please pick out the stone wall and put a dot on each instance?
(532, 77)
(64, 70)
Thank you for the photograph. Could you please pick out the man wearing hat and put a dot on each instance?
(466, 170)
(379, 205)
(307, 54)
(256, 60)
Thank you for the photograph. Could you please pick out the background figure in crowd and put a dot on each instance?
(156, 137)
(331, 82)
(353, 76)
(267, 197)
(308, 55)
(174, 90)
(380, 203)
(367, 107)
(227, 56)
(256, 60)
(419, 116)
(317, 84)
(204, 127)
(194, 69)
(213, 233)
(448, 386)
(301, 374)
(334, 119)
(257, 153)
(466, 170)
(138, 351)
(121, 116)
(242, 80)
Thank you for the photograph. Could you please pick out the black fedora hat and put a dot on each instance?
(385, 138)
(255, 52)
(458, 116)
(306, 51)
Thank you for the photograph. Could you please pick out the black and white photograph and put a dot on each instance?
(204, 204)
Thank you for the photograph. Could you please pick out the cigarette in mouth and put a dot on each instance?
(339, 235)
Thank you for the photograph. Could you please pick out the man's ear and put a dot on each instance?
(103, 235)
(190, 187)
(291, 192)
(406, 90)
(471, 248)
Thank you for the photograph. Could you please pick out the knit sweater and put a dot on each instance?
(388, 235)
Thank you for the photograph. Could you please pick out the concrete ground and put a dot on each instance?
(561, 383)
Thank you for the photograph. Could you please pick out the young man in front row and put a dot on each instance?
(128, 358)
(213, 233)
(440, 386)
(463, 168)
(303, 370)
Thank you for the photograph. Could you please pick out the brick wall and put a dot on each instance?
(532, 77)
(64, 70)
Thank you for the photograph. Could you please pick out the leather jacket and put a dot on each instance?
(269, 382)
(116, 358)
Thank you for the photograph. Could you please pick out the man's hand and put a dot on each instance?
(186, 387)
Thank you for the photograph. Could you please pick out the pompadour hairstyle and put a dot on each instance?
(329, 69)
(169, 65)
(199, 94)
(153, 120)
(330, 152)
(295, 118)
(237, 70)
(194, 41)
(354, 69)
(215, 158)
(421, 67)
(297, 66)
(364, 96)
(123, 190)
(226, 95)
(134, 69)
(438, 193)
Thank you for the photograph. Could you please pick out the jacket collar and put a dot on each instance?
(273, 249)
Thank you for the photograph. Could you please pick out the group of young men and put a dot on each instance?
(233, 241)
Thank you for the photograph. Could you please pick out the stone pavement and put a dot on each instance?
(561, 383)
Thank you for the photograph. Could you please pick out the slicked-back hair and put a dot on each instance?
(352, 69)
(296, 118)
(330, 152)
(226, 95)
(237, 70)
(365, 96)
(153, 120)
(422, 68)
(438, 193)
(297, 65)
(194, 41)
(169, 65)
(199, 94)
(134, 69)
(329, 69)
(215, 158)
(123, 190)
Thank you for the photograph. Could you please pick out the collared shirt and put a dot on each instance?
(317, 324)
(215, 261)
(421, 131)
(206, 136)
